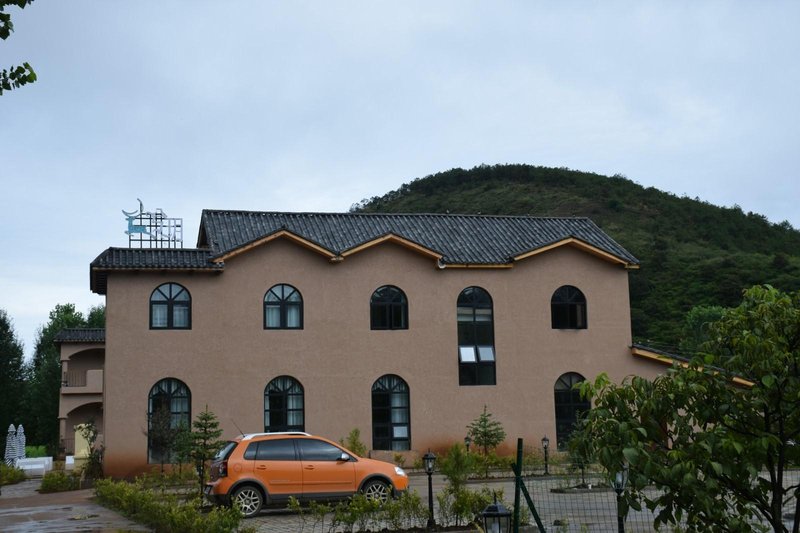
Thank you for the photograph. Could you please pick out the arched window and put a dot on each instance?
(283, 308)
(568, 308)
(170, 307)
(391, 426)
(569, 406)
(388, 308)
(169, 407)
(284, 405)
(475, 338)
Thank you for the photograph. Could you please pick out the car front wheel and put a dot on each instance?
(248, 500)
(378, 491)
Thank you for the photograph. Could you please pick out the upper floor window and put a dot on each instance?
(170, 307)
(168, 409)
(283, 405)
(475, 338)
(388, 308)
(283, 308)
(568, 308)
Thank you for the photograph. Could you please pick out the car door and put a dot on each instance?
(276, 465)
(325, 473)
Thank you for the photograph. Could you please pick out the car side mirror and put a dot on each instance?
(344, 457)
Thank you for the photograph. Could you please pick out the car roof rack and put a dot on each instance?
(248, 436)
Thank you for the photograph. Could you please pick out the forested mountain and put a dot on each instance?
(691, 252)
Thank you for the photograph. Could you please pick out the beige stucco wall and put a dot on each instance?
(227, 358)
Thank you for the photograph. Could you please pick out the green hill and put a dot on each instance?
(691, 252)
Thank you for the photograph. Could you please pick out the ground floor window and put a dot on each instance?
(168, 410)
(283, 405)
(569, 406)
(391, 426)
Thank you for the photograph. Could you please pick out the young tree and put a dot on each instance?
(486, 432)
(12, 375)
(20, 75)
(205, 442)
(161, 436)
(716, 444)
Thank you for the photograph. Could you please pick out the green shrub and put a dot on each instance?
(10, 475)
(354, 444)
(35, 451)
(162, 511)
(462, 506)
(58, 481)
(457, 466)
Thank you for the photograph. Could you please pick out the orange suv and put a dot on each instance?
(261, 469)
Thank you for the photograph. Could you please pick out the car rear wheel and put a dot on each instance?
(377, 490)
(248, 500)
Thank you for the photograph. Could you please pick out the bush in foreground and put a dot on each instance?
(59, 481)
(163, 511)
(10, 475)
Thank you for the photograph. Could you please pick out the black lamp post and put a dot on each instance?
(546, 447)
(496, 518)
(429, 460)
(467, 442)
(619, 483)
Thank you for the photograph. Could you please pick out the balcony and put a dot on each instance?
(82, 382)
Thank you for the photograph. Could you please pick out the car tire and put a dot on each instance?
(248, 499)
(377, 490)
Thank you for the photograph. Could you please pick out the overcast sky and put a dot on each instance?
(294, 106)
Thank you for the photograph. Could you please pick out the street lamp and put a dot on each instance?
(429, 460)
(546, 447)
(467, 442)
(496, 518)
(619, 482)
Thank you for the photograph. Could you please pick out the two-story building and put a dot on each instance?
(402, 325)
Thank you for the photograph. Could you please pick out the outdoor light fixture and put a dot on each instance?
(546, 447)
(429, 460)
(496, 518)
(619, 482)
(467, 442)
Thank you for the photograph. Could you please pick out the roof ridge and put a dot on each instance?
(348, 214)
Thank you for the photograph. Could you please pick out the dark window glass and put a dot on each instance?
(283, 308)
(168, 408)
(170, 307)
(476, 356)
(317, 450)
(250, 452)
(388, 308)
(276, 450)
(569, 407)
(391, 424)
(225, 451)
(568, 308)
(284, 405)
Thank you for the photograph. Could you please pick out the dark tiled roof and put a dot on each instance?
(147, 259)
(670, 355)
(460, 239)
(89, 335)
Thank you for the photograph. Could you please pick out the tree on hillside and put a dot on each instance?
(44, 387)
(96, 317)
(717, 446)
(14, 76)
(12, 375)
(696, 327)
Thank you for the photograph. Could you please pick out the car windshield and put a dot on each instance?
(225, 451)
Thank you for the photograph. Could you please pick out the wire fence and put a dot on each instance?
(570, 501)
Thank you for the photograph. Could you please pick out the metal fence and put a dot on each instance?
(565, 503)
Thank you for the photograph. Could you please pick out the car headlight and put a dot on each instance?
(399, 471)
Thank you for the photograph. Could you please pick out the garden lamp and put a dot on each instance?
(496, 518)
(429, 460)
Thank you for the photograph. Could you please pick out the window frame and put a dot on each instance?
(168, 388)
(394, 307)
(568, 308)
(474, 302)
(171, 304)
(283, 304)
(285, 393)
(388, 386)
(573, 404)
